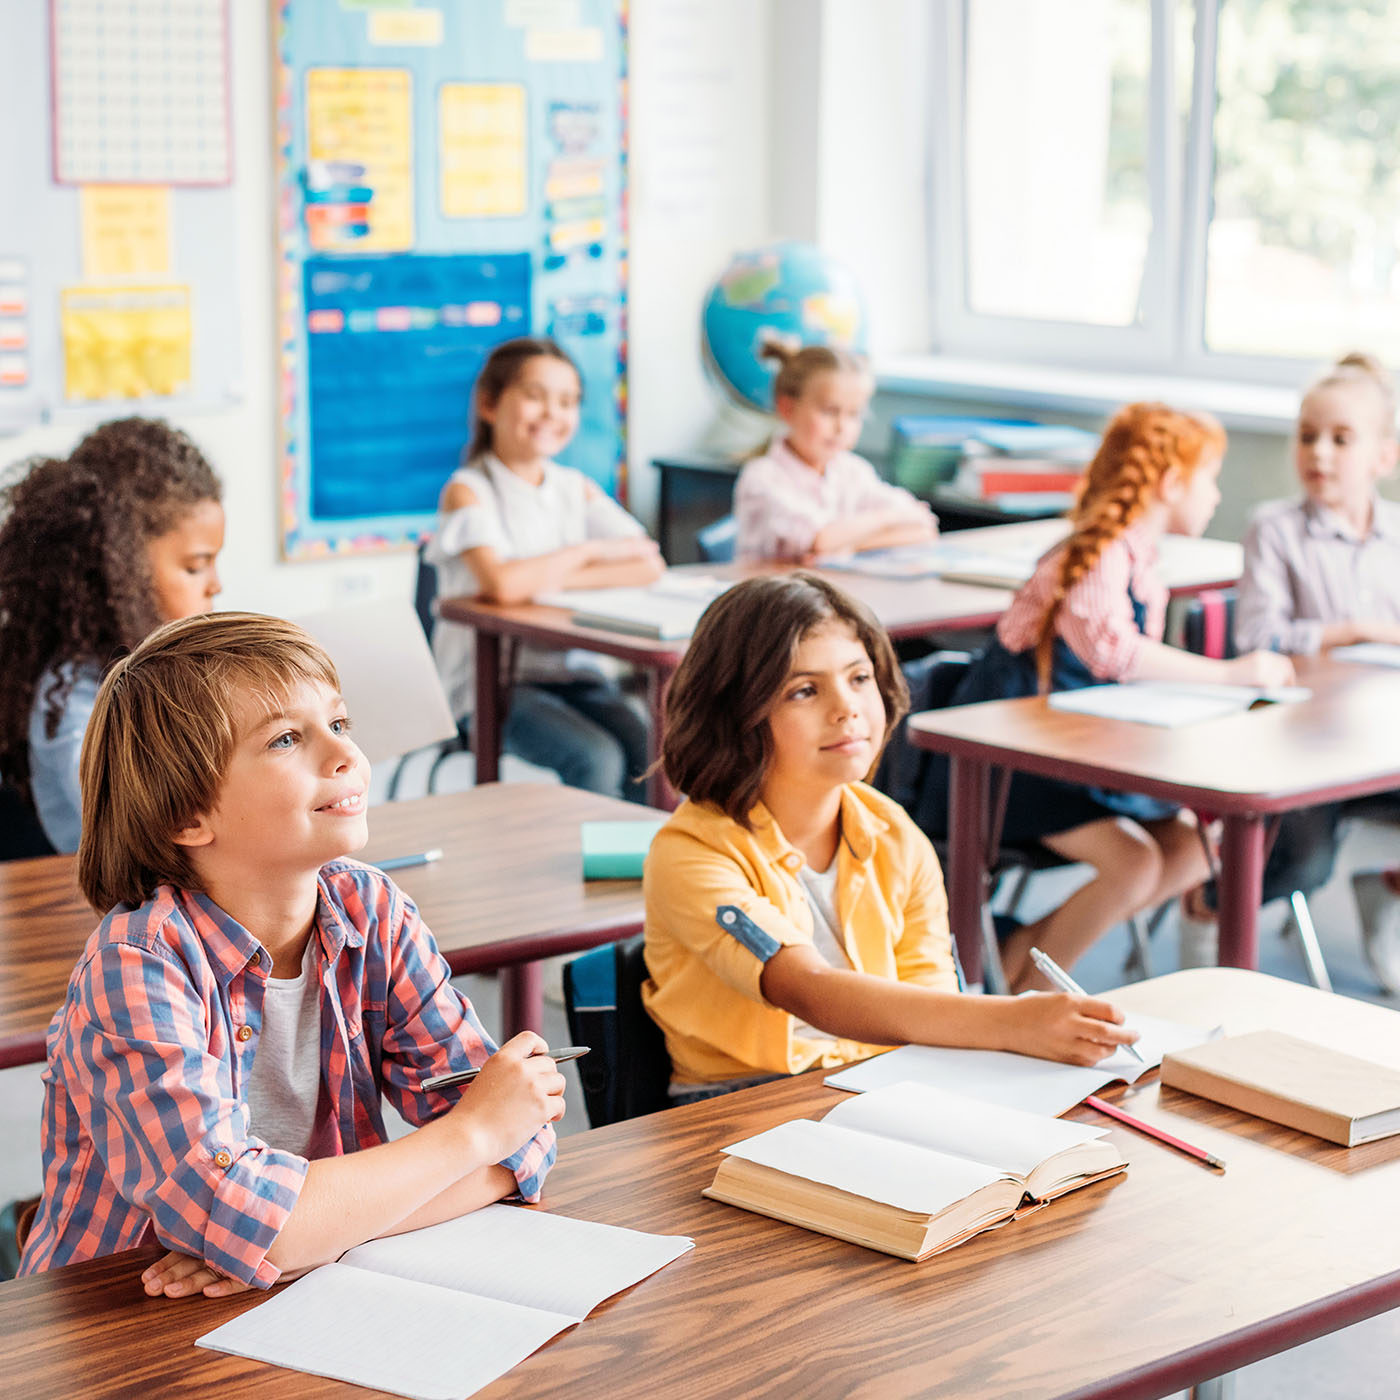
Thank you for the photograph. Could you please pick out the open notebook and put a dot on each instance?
(667, 610)
(911, 1170)
(1169, 705)
(438, 1313)
(1019, 1081)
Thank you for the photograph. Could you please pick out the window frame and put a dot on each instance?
(1170, 338)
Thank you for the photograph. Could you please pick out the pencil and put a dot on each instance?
(1113, 1111)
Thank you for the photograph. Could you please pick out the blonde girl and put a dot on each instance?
(794, 915)
(1323, 570)
(809, 494)
(1093, 612)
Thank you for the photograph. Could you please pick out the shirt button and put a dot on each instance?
(728, 917)
(245, 1032)
(256, 960)
(223, 1158)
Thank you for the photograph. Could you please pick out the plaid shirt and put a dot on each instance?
(145, 1114)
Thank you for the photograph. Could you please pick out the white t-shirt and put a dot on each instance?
(284, 1085)
(519, 521)
(820, 889)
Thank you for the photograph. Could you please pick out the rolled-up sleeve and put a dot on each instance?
(431, 1028)
(162, 1115)
(1265, 610)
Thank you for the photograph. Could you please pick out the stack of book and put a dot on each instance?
(1024, 466)
(926, 449)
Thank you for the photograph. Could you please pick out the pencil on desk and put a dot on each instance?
(1114, 1112)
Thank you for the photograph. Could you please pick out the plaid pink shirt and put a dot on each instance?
(780, 503)
(1096, 617)
(145, 1117)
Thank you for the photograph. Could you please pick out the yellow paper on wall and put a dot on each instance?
(481, 136)
(126, 230)
(125, 342)
(361, 119)
(421, 28)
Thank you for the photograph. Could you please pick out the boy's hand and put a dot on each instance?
(1061, 1026)
(518, 1091)
(182, 1276)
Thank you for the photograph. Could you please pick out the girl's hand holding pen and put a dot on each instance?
(1078, 1029)
(518, 1090)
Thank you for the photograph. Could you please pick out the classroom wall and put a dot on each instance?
(699, 183)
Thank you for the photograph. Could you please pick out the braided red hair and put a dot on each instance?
(1142, 443)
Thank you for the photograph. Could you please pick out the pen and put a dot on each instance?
(1046, 964)
(465, 1076)
(1199, 1153)
(403, 862)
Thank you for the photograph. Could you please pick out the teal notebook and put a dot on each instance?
(616, 850)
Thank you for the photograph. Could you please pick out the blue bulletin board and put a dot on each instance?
(450, 175)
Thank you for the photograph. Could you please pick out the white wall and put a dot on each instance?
(700, 166)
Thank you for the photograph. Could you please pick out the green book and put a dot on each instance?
(616, 850)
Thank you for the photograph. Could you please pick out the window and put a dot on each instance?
(1160, 185)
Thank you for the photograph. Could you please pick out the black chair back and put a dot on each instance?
(21, 836)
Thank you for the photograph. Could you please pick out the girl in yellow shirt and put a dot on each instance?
(794, 915)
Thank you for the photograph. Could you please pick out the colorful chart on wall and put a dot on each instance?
(450, 176)
(118, 219)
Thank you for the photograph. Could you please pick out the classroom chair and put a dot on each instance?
(424, 596)
(715, 542)
(628, 1071)
(21, 836)
(1208, 629)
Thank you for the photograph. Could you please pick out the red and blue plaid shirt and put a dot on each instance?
(145, 1113)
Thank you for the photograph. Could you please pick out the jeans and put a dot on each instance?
(589, 732)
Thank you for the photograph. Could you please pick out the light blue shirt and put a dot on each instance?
(53, 763)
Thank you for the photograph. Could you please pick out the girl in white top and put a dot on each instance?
(513, 523)
(809, 494)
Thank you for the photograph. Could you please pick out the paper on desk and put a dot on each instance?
(897, 1173)
(960, 1126)
(1368, 653)
(463, 1301)
(1019, 1081)
(1168, 705)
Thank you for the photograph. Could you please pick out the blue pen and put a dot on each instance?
(403, 862)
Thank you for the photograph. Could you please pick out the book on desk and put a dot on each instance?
(1169, 704)
(911, 1170)
(667, 610)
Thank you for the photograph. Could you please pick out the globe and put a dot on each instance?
(790, 290)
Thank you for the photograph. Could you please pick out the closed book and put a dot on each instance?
(998, 481)
(911, 1170)
(616, 850)
(1298, 1083)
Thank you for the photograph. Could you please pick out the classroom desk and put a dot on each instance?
(1246, 769)
(507, 892)
(906, 608)
(1131, 1288)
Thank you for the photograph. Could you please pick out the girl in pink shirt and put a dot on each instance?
(809, 494)
(1094, 611)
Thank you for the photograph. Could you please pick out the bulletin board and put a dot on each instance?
(450, 175)
(118, 264)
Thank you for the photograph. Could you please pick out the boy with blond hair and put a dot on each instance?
(215, 1073)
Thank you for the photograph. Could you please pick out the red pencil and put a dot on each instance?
(1199, 1153)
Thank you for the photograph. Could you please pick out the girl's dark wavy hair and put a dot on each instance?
(717, 744)
(75, 588)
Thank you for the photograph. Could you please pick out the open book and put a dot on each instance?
(438, 1313)
(1368, 654)
(911, 1170)
(666, 610)
(1170, 704)
(1019, 1081)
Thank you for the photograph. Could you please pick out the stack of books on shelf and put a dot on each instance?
(1025, 466)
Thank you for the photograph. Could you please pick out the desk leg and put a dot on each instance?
(969, 786)
(522, 999)
(1241, 881)
(659, 791)
(488, 719)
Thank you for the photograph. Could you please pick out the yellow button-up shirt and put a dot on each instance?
(721, 900)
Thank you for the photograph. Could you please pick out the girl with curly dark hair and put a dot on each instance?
(95, 551)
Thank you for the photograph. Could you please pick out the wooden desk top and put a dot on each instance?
(507, 890)
(1132, 1287)
(1343, 742)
